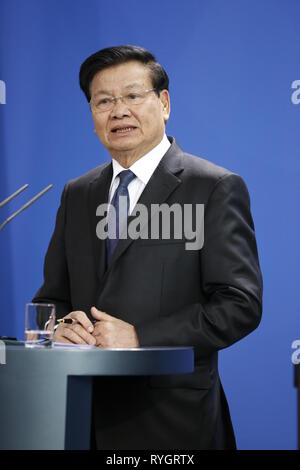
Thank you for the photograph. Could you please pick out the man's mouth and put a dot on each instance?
(122, 130)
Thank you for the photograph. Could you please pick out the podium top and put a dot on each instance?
(95, 361)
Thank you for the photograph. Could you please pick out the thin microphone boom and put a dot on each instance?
(31, 201)
(9, 198)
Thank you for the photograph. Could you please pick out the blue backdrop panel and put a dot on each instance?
(231, 66)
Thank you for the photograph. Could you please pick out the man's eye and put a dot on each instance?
(103, 101)
(133, 96)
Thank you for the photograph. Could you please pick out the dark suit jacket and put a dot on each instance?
(208, 298)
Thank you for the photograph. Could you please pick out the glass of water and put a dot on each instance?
(39, 325)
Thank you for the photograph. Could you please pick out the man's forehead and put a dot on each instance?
(123, 76)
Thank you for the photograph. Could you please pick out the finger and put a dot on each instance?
(59, 337)
(82, 318)
(62, 339)
(80, 331)
(71, 335)
(99, 315)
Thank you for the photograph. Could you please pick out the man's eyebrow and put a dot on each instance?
(132, 85)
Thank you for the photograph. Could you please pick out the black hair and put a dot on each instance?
(116, 55)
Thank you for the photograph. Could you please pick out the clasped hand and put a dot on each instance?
(106, 332)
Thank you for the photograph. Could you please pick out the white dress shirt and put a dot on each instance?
(142, 168)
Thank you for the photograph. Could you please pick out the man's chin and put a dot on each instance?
(124, 146)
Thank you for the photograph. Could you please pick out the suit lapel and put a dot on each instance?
(98, 194)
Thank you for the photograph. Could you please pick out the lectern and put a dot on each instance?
(46, 394)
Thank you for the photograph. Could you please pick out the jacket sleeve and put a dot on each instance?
(231, 279)
(55, 288)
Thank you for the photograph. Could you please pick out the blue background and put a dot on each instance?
(231, 65)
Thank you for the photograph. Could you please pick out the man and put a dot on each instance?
(152, 292)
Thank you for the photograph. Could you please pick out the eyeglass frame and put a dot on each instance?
(114, 99)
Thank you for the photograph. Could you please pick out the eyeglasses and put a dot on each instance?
(100, 105)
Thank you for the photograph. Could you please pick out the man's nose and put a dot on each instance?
(120, 109)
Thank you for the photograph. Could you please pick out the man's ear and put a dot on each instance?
(165, 100)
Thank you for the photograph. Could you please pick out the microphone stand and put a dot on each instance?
(31, 201)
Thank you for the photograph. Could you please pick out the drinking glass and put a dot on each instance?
(39, 325)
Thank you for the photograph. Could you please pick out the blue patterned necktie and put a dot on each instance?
(121, 211)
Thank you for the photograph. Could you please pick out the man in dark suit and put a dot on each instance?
(152, 291)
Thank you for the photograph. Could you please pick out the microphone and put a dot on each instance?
(31, 201)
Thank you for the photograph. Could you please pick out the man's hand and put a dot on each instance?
(77, 333)
(110, 332)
